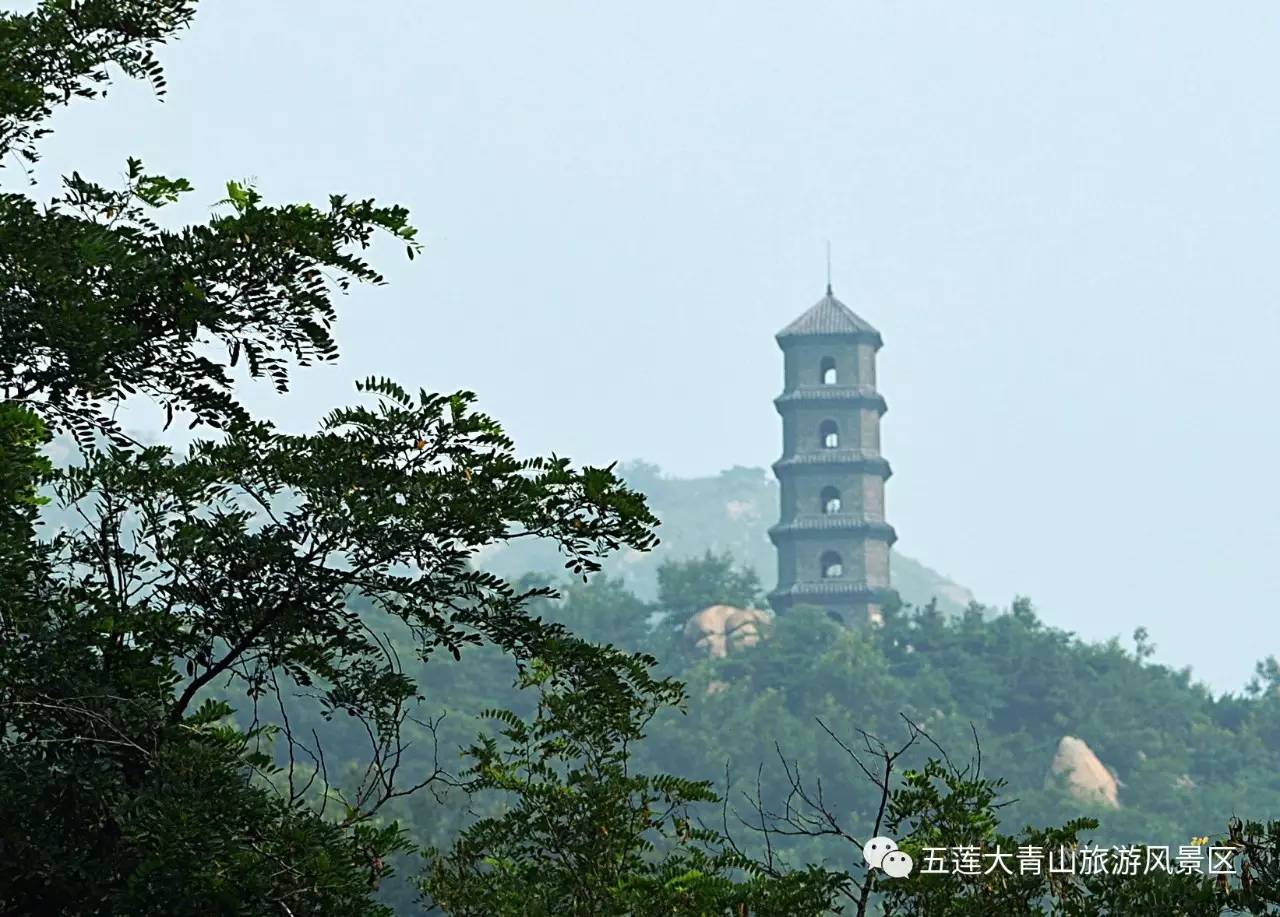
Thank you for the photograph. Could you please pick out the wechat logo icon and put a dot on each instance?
(882, 853)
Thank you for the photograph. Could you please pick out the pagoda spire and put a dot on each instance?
(829, 293)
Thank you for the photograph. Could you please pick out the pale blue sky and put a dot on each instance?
(1062, 217)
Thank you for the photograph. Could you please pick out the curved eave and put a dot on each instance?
(849, 459)
(865, 395)
(831, 589)
(819, 526)
(836, 338)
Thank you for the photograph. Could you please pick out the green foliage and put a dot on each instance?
(940, 808)
(263, 568)
(601, 610)
(22, 470)
(103, 303)
(1186, 759)
(583, 834)
(64, 49)
(100, 301)
(94, 826)
(688, 586)
(946, 810)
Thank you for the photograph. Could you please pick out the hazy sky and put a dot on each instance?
(1062, 217)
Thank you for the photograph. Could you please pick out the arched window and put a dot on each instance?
(830, 500)
(832, 567)
(829, 434)
(828, 370)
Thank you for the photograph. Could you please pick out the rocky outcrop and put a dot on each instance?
(746, 627)
(705, 630)
(722, 629)
(1088, 779)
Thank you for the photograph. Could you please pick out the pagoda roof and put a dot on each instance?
(829, 317)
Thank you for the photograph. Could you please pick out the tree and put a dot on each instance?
(941, 808)
(948, 819)
(226, 574)
(22, 470)
(688, 586)
(603, 610)
(584, 835)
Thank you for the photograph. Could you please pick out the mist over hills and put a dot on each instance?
(727, 513)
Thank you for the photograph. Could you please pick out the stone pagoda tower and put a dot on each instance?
(832, 540)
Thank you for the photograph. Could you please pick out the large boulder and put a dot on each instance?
(705, 630)
(721, 629)
(1088, 779)
(746, 627)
